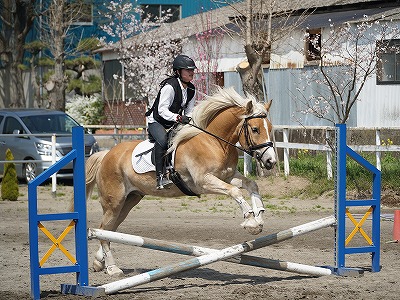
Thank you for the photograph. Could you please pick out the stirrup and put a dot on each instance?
(163, 182)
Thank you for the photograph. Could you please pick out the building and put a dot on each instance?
(86, 24)
(293, 56)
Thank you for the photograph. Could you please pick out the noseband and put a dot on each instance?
(251, 147)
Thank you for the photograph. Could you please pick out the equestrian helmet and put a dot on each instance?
(183, 62)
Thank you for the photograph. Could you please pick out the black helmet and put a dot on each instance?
(183, 62)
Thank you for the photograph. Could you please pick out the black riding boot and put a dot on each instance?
(162, 180)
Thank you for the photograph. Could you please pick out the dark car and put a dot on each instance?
(16, 129)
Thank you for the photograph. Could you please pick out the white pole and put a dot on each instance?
(223, 254)
(53, 160)
(255, 261)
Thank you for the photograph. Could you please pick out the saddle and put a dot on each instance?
(143, 159)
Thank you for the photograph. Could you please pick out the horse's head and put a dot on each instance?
(255, 134)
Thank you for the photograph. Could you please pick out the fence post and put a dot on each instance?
(53, 161)
(247, 167)
(378, 153)
(328, 154)
(116, 139)
(286, 152)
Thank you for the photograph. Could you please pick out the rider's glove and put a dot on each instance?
(183, 119)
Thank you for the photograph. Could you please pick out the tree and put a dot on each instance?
(146, 57)
(35, 48)
(207, 53)
(349, 55)
(16, 20)
(58, 17)
(261, 24)
(9, 184)
(87, 110)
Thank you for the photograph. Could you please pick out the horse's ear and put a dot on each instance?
(249, 108)
(268, 105)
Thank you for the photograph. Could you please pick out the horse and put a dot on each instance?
(205, 156)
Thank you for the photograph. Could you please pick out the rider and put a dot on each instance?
(174, 103)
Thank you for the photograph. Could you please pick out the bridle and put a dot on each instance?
(251, 146)
(245, 130)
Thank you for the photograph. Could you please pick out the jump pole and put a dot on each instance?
(206, 259)
(184, 249)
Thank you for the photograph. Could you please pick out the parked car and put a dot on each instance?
(16, 123)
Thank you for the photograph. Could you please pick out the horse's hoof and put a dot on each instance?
(114, 271)
(98, 265)
(252, 226)
(254, 230)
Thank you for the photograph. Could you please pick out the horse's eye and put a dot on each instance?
(255, 129)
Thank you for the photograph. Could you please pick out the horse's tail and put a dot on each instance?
(92, 165)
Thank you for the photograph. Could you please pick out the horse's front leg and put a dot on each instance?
(105, 260)
(216, 185)
(251, 186)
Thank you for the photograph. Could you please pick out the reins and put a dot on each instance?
(252, 148)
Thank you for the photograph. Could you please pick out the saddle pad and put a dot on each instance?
(141, 157)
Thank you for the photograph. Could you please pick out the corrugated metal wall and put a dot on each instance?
(285, 87)
(379, 105)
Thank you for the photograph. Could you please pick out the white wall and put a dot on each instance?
(379, 105)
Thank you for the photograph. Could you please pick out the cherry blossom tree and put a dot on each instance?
(87, 110)
(207, 53)
(146, 57)
(349, 56)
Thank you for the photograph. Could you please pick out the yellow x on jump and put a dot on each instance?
(357, 226)
(57, 243)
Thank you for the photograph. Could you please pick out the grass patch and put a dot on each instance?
(313, 167)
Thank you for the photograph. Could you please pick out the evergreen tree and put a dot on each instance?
(9, 184)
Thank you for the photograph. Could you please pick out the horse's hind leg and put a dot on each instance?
(111, 221)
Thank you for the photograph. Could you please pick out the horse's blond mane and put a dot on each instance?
(205, 111)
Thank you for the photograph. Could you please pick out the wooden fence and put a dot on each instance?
(282, 140)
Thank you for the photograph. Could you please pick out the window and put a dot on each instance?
(157, 11)
(388, 68)
(313, 44)
(11, 125)
(80, 13)
(112, 84)
(57, 123)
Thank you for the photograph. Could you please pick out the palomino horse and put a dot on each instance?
(206, 160)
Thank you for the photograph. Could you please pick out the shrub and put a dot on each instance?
(87, 110)
(9, 184)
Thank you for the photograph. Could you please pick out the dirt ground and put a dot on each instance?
(209, 221)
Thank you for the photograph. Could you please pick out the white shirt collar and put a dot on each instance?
(180, 83)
